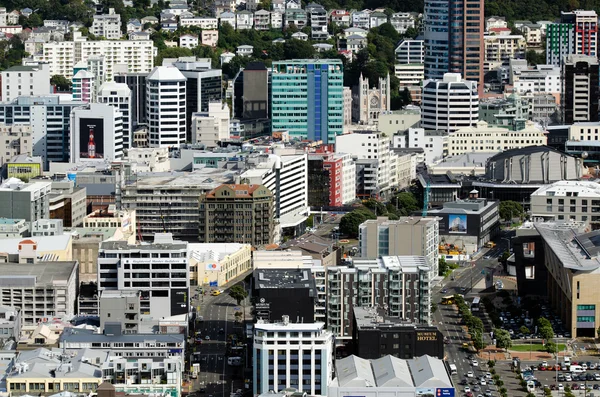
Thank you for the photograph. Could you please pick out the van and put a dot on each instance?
(576, 369)
(567, 360)
(453, 370)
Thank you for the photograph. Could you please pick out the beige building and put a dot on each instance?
(112, 218)
(406, 236)
(567, 200)
(347, 95)
(391, 123)
(68, 202)
(502, 48)
(148, 159)
(217, 264)
(15, 139)
(483, 138)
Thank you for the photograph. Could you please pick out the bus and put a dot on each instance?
(453, 370)
(450, 299)
(475, 304)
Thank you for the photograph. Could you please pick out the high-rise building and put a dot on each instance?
(137, 84)
(96, 132)
(580, 88)
(287, 355)
(24, 81)
(118, 95)
(165, 103)
(454, 39)
(107, 25)
(159, 270)
(84, 87)
(307, 98)
(450, 103)
(406, 236)
(251, 92)
(576, 33)
(222, 209)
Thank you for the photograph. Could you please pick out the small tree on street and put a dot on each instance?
(238, 293)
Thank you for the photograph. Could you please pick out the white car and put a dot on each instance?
(475, 363)
(483, 382)
(568, 377)
(467, 389)
(470, 374)
(561, 387)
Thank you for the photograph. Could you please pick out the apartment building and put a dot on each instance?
(28, 201)
(239, 213)
(317, 15)
(201, 22)
(502, 48)
(331, 179)
(541, 78)
(406, 236)
(84, 86)
(138, 55)
(580, 88)
(169, 203)
(449, 104)
(262, 20)
(24, 81)
(483, 138)
(159, 269)
(15, 140)
(576, 33)
(107, 25)
(39, 290)
(375, 149)
(340, 18)
(401, 21)
(118, 95)
(13, 228)
(49, 118)
(292, 100)
(285, 176)
(433, 143)
(212, 127)
(567, 201)
(292, 355)
(401, 283)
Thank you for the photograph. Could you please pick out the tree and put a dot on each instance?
(172, 52)
(298, 49)
(238, 292)
(351, 221)
(434, 307)
(546, 332)
(442, 266)
(60, 82)
(406, 203)
(502, 337)
(510, 209)
(598, 332)
(524, 330)
(535, 58)
(551, 347)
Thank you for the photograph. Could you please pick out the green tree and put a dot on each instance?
(546, 332)
(238, 292)
(502, 337)
(434, 307)
(298, 49)
(60, 82)
(524, 330)
(598, 332)
(406, 203)
(510, 209)
(351, 221)
(172, 52)
(442, 266)
(551, 347)
(535, 58)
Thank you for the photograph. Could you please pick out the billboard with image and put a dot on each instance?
(457, 223)
(91, 138)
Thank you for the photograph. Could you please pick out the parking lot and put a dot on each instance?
(477, 381)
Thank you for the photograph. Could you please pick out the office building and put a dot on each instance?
(376, 335)
(96, 132)
(169, 203)
(238, 213)
(67, 202)
(302, 357)
(567, 201)
(389, 375)
(538, 79)
(28, 201)
(286, 177)
(15, 140)
(433, 143)
(274, 288)
(19, 81)
(251, 92)
(24, 167)
(576, 33)
(51, 285)
(449, 104)
(49, 118)
(166, 111)
(107, 25)
(47, 227)
(307, 98)
(158, 269)
(63, 56)
(406, 236)
(580, 88)
(453, 39)
(212, 127)
(410, 51)
(331, 179)
(400, 283)
(137, 84)
(118, 95)
(217, 264)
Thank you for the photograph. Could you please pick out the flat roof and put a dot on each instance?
(205, 178)
(561, 188)
(46, 273)
(284, 278)
(203, 252)
(372, 318)
(44, 243)
(74, 335)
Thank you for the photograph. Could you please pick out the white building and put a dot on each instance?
(227, 17)
(401, 21)
(361, 19)
(84, 86)
(483, 138)
(210, 128)
(96, 133)
(244, 50)
(159, 269)
(567, 200)
(495, 22)
(166, 112)
(107, 25)
(449, 104)
(286, 176)
(298, 356)
(348, 178)
(24, 81)
(541, 78)
(63, 56)
(410, 51)
(188, 41)
(276, 20)
(149, 160)
(119, 96)
(210, 37)
(201, 22)
(262, 20)
(503, 48)
(244, 20)
(409, 74)
(433, 143)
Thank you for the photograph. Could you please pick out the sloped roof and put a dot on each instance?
(166, 73)
(391, 371)
(353, 371)
(428, 371)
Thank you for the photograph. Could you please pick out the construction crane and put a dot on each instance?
(426, 199)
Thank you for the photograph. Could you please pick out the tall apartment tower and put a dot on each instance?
(119, 96)
(165, 102)
(577, 33)
(84, 87)
(580, 88)
(454, 39)
(449, 104)
(307, 98)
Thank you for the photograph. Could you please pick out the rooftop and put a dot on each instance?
(284, 278)
(204, 252)
(162, 241)
(166, 73)
(73, 335)
(13, 275)
(206, 178)
(467, 206)
(575, 248)
(372, 318)
(561, 188)
(44, 244)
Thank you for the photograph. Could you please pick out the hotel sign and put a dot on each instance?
(427, 336)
